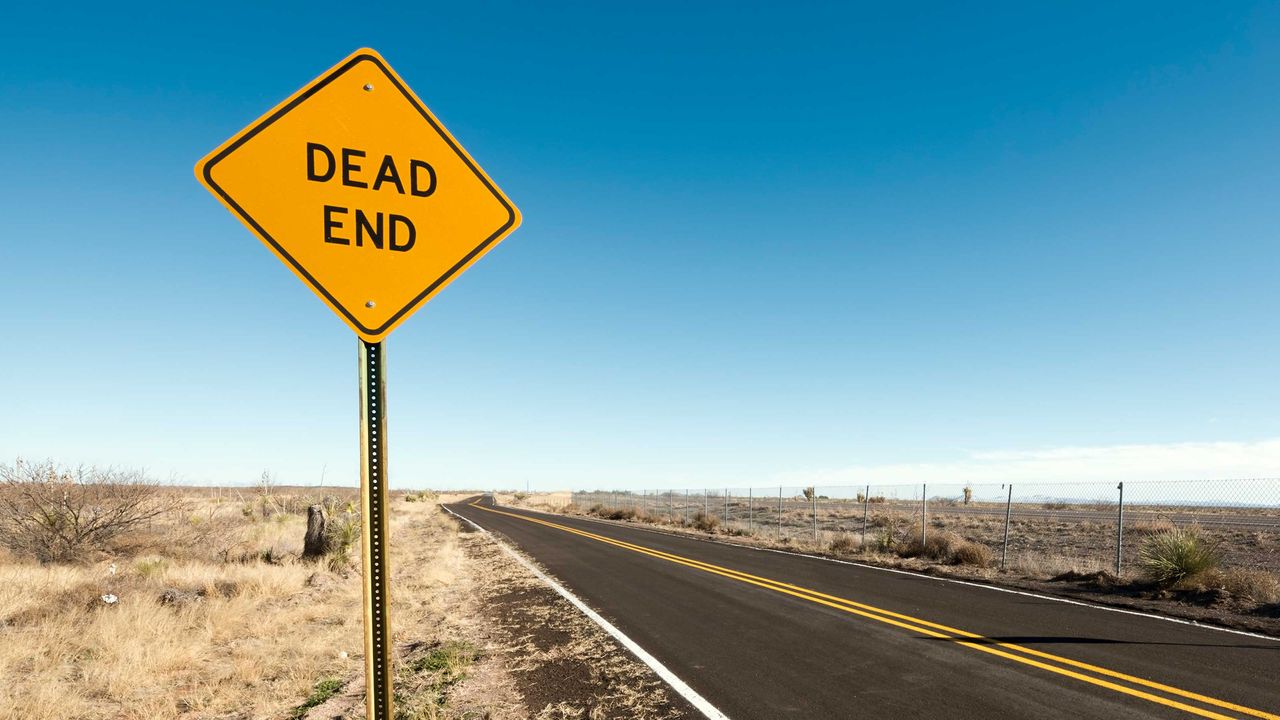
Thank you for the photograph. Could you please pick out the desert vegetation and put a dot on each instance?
(1229, 567)
(121, 597)
(124, 598)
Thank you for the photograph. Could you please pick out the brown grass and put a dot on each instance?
(1258, 586)
(254, 629)
(844, 544)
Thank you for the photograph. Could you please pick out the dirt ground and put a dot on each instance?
(563, 664)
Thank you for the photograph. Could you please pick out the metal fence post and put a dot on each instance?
(924, 513)
(686, 506)
(726, 510)
(813, 502)
(866, 510)
(1008, 510)
(706, 505)
(779, 513)
(750, 513)
(1120, 528)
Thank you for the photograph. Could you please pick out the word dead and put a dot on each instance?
(381, 230)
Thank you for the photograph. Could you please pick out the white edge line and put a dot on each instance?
(922, 576)
(688, 693)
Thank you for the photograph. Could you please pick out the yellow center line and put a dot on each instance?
(922, 626)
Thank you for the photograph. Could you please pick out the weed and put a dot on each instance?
(450, 659)
(151, 567)
(323, 690)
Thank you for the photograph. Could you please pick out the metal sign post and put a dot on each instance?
(373, 526)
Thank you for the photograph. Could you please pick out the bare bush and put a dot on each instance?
(58, 514)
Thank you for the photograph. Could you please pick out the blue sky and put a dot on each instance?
(761, 243)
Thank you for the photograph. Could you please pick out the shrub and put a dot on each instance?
(341, 535)
(937, 546)
(947, 547)
(1177, 554)
(843, 545)
(57, 514)
(705, 522)
(971, 553)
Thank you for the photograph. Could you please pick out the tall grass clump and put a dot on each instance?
(705, 522)
(1177, 554)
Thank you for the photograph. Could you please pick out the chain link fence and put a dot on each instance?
(1043, 528)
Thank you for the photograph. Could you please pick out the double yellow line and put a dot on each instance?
(1100, 677)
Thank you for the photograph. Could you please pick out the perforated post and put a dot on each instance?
(373, 520)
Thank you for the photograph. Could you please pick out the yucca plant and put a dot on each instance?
(1173, 555)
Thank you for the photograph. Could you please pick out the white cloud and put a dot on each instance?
(1177, 461)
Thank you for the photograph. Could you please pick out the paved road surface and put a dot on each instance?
(769, 635)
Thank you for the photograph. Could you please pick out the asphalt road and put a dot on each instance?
(769, 635)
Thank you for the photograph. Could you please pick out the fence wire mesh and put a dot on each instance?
(1043, 528)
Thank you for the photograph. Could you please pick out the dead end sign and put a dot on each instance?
(362, 192)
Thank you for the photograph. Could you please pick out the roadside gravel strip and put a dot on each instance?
(566, 660)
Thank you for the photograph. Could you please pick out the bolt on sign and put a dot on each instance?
(367, 198)
(362, 193)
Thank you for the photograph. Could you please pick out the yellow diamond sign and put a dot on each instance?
(362, 192)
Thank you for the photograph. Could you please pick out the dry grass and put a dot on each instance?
(254, 641)
(253, 629)
(1258, 586)
(947, 547)
(844, 544)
